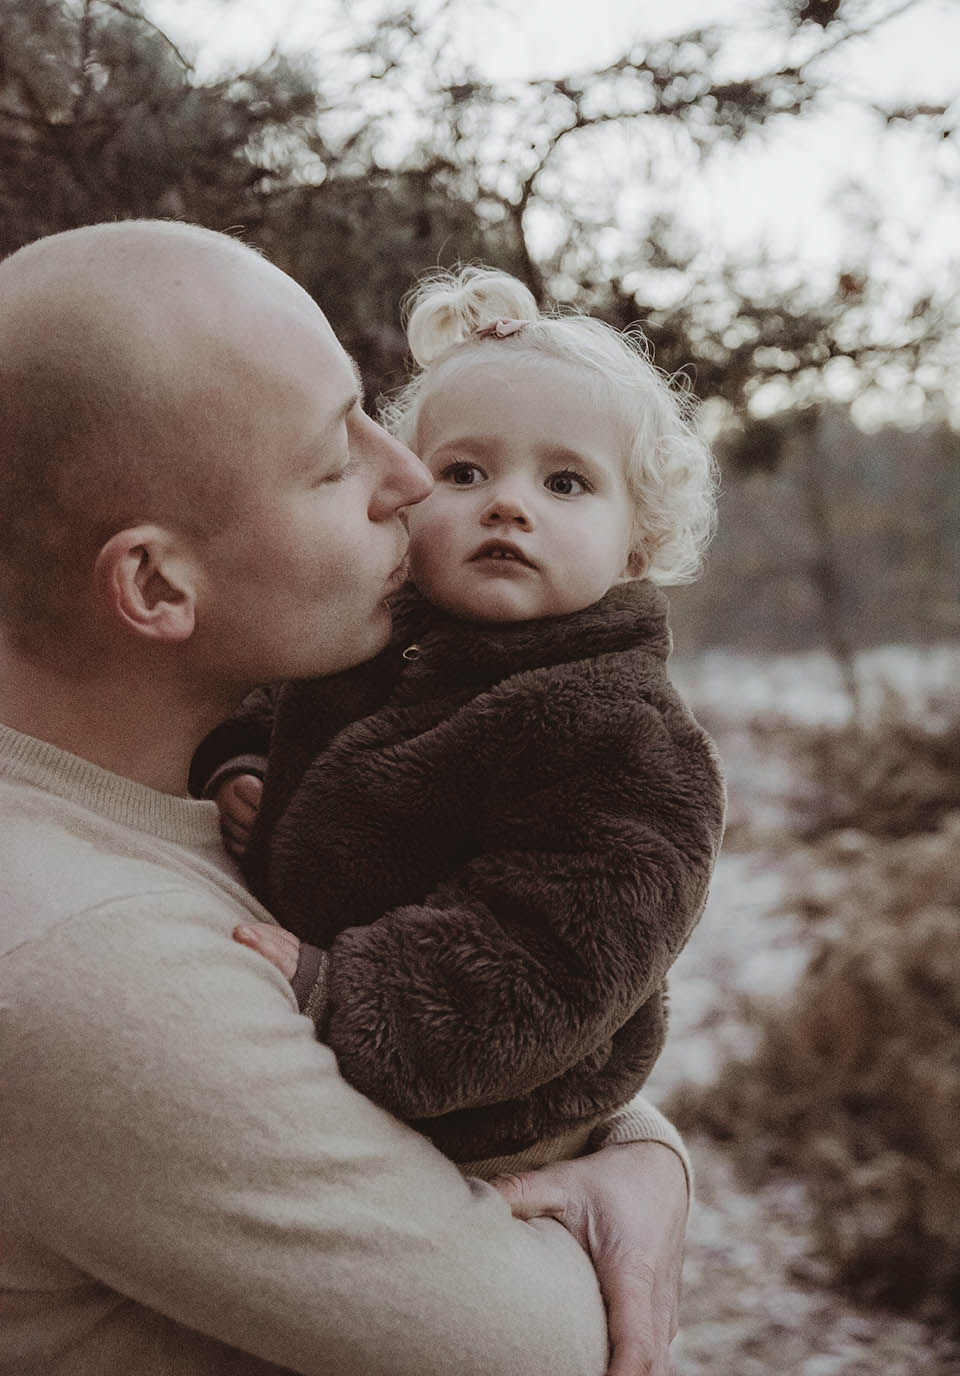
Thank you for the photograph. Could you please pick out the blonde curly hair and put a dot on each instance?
(671, 474)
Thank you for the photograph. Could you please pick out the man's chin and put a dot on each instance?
(363, 648)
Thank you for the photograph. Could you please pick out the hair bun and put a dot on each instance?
(447, 308)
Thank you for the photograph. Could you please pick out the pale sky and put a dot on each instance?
(786, 195)
(524, 37)
(802, 169)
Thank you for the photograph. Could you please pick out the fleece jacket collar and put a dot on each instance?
(631, 616)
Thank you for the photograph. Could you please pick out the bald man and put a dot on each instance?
(193, 502)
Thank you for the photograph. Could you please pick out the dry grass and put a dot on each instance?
(891, 775)
(855, 1088)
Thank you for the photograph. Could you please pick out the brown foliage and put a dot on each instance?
(856, 1086)
(894, 777)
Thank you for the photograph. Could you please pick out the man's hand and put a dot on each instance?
(274, 943)
(239, 802)
(627, 1207)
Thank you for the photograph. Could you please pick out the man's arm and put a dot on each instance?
(173, 1128)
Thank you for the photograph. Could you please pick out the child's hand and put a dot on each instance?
(274, 943)
(239, 802)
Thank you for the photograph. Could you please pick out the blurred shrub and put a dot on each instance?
(856, 1084)
(887, 774)
(894, 779)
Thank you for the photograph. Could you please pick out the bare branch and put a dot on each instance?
(140, 18)
(871, 26)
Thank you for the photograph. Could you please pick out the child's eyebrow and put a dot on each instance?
(559, 453)
(467, 444)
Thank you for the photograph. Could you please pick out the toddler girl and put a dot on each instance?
(489, 843)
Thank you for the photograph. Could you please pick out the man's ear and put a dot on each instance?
(144, 580)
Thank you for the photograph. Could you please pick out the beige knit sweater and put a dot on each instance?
(187, 1185)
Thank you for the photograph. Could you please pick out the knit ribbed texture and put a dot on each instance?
(563, 1148)
(639, 1121)
(162, 815)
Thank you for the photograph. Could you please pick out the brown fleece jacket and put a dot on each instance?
(503, 838)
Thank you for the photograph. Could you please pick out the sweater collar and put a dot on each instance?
(45, 766)
(631, 616)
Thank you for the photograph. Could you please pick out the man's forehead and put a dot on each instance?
(355, 370)
(349, 384)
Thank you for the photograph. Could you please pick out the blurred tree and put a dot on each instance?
(585, 170)
(398, 157)
(822, 12)
(100, 118)
(357, 241)
(843, 539)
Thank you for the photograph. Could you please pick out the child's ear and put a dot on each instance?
(144, 580)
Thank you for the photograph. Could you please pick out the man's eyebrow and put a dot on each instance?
(354, 399)
(358, 378)
(318, 446)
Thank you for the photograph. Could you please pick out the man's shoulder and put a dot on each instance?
(59, 859)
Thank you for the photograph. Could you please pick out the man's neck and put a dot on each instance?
(134, 725)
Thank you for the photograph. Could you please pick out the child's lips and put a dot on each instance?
(501, 551)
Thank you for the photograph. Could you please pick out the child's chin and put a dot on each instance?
(495, 610)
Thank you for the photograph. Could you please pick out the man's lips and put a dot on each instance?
(498, 550)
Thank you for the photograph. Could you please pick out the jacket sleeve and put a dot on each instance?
(577, 898)
(242, 740)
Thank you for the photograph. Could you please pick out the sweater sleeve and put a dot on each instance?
(641, 1121)
(239, 744)
(547, 940)
(194, 1148)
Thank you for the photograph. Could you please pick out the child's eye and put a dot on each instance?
(462, 474)
(566, 484)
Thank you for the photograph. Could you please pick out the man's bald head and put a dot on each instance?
(129, 364)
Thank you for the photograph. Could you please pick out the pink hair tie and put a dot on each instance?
(499, 329)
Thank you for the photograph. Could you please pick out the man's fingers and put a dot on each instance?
(638, 1329)
(529, 1198)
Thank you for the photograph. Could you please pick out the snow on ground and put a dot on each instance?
(745, 947)
(757, 1303)
(734, 686)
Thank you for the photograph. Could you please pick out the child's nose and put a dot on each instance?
(506, 508)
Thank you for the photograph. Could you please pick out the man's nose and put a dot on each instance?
(506, 507)
(402, 479)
